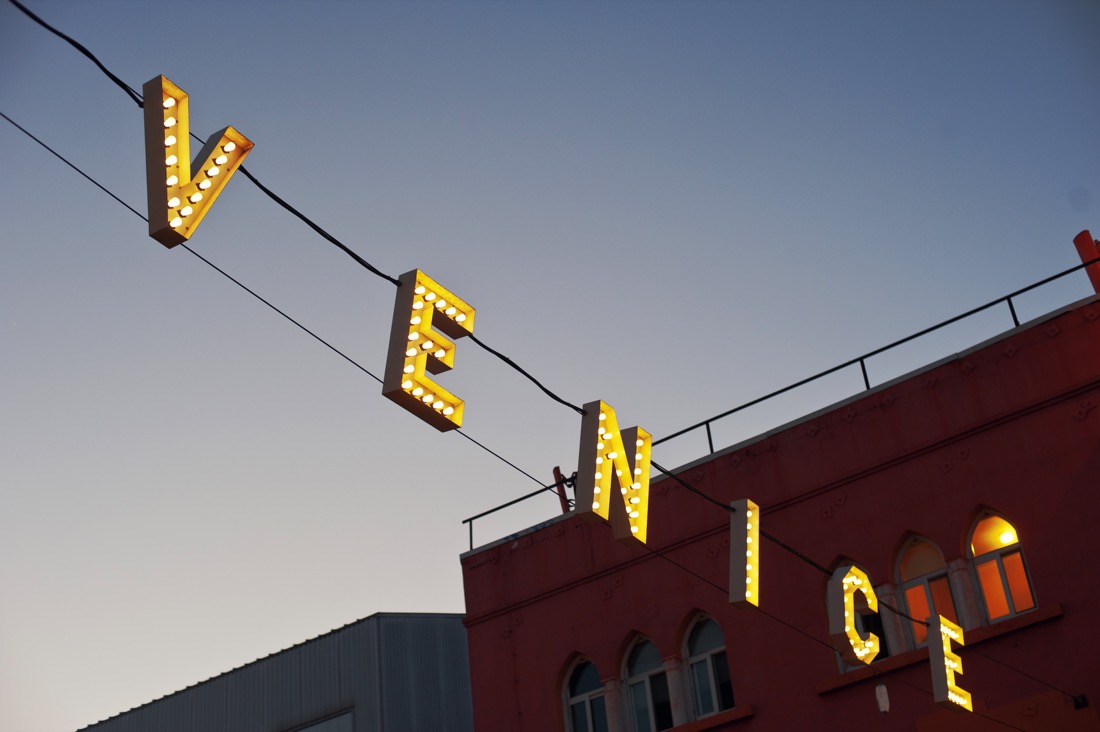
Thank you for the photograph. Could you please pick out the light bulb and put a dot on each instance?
(170, 141)
(171, 160)
(176, 222)
(204, 185)
(173, 202)
(171, 181)
(229, 146)
(185, 211)
(170, 122)
(169, 103)
(195, 198)
(221, 160)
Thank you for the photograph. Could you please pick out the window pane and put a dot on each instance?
(579, 717)
(992, 533)
(599, 715)
(996, 603)
(917, 600)
(1017, 582)
(704, 699)
(722, 676)
(942, 601)
(662, 705)
(920, 558)
(706, 636)
(585, 678)
(640, 705)
(643, 658)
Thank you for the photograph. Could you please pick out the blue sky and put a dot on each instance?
(671, 207)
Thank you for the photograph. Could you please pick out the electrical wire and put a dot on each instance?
(136, 97)
(256, 295)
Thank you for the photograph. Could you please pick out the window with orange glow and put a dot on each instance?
(922, 575)
(999, 565)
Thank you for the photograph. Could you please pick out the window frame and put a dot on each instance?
(925, 582)
(646, 679)
(708, 656)
(584, 698)
(997, 556)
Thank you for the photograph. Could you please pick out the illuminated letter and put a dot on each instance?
(840, 597)
(606, 451)
(178, 201)
(745, 537)
(415, 346)
(945, 664)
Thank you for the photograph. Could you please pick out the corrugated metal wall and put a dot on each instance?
(398, 672)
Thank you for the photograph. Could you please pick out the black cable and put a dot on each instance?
(244, 287)
(289, 208)
(320, 232)
(60, 157)
(130, 92)
(256, 295)
(328, 237)
(535, 381)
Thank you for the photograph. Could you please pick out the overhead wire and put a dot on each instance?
(256, 295)
(137, 98)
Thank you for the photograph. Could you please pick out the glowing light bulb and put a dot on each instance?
(407, 384)
(450, 311)
(173, 202)
(429, 297)
(176, 222)
(449, 411)
(171, 181)
(221, 160)
(409, 369)
(1008, 537)
(195, 198)
(415, 320)
(169, 103)
(170, 122)
(461, 317)
(440, 353)
(418, 391)
(212, 171)
(229, 146)
(170, 141)
(185, 211)
(418, 305)
(410, 353)
(427, 399)
(204, 185)
(437, 405)
(420, 290)
(414, 336)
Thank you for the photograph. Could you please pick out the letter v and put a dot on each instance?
(177, 200)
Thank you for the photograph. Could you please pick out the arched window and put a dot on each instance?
(587, 705)
(710, 673)
(647, 689)
(999, 566)
(922, 575)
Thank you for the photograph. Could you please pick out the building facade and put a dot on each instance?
(967, 489)
(390, 672)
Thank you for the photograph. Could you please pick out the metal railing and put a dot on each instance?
(861, 360)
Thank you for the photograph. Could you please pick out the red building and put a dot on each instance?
(966, 489)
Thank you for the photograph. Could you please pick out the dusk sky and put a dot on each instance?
(672, 207)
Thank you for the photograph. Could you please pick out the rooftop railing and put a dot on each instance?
(861, 361)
